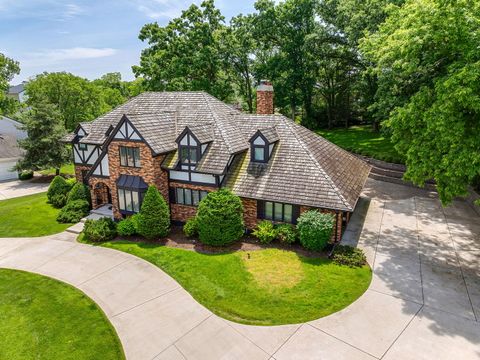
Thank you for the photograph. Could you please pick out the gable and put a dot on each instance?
(126, 131)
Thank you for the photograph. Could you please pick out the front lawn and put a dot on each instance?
(29, 216)
(262, 287)
(364, 141)
(41, 318)
(67, 169)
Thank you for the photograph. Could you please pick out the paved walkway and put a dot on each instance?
(423, 303)
(17, 188)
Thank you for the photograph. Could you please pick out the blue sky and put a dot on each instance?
(85, 37)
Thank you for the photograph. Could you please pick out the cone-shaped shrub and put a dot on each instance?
(220, 218)
(57, 187)
(79, 192)
(154, 219)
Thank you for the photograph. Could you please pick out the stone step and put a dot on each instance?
(76, 229)
(93, 216)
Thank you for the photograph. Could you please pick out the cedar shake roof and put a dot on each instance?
(304, 168)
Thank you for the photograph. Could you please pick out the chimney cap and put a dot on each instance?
(265, 85)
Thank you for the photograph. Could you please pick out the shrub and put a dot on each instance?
(220, 218)
(25, 175)
(100, 230)
(315, 229)
(79, 192)
(286, 233)
(154, 219)
(126, 227)
(73, 212)
(71, 183)
(58, 186)
(190, 229)
(349, 256)
(265, 232)
(58, 201)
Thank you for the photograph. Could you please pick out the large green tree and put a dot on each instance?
(185, 54)
(427, 58)
(8, 69)
(43, 123)
(76, 99)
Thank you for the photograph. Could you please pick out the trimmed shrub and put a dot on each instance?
(58, 201)
(73, 212)
(349, 256)
(154, 218)
(220, 218)
(25, 175)
(265, 232)
(79, 192)
(190, 229)
(286, 233)
(315, 229)
(126, 227)
(71, 182)
(58, 186)
(100, 230)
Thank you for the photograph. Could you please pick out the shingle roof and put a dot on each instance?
(16, 89)
(304, 169)
(9, 147)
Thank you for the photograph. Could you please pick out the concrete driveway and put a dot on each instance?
(423, 302)
(17, 188)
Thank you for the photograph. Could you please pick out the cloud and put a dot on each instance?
(53, 10)
(158, 9)
(60, 55)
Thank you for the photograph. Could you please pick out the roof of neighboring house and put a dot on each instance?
(304, 169)
(9, 134)
(16, 89)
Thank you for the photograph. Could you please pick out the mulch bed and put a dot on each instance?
(177, 239)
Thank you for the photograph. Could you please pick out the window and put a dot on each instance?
(82, 146)
(189, 150)
(129, 156)
(259, 153)
(189, 197)
(129, 200)
(260, 149)
(277, 211)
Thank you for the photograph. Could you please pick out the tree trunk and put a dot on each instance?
(57, 171)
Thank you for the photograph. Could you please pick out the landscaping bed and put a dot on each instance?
(29, 216)
(42, 318)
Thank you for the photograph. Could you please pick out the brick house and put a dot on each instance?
(190, 143)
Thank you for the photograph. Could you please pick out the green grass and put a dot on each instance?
(68, 169)
(41, 318)
(364, 141)
(271, 287)
(29, 216)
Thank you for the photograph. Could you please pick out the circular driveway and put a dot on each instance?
(423, 302)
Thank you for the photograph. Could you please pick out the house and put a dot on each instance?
(17, 92)
(10, 153)
(190, 143)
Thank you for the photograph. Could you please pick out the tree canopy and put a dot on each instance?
(8, 69)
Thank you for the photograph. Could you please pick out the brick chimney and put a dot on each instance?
(265, 98)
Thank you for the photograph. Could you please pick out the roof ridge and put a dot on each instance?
(324, 173)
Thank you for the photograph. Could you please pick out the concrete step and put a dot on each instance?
(93, 216)
(76, 229)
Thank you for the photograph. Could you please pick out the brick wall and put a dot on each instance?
(79, 169)
(250, 213)
(184, 212)
(265, 102)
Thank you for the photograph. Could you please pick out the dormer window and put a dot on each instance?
(189, 150)
(262, 145)
(192, 145)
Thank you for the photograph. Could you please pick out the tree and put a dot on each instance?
(220, 218)
(8, 69)
(427, 61)
(154, 219)
(184, 55)
(75, 98)
(43, 148)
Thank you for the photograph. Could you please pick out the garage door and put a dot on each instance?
(5, 173)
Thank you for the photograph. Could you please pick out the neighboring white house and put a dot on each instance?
(10, 153)
(17, 92)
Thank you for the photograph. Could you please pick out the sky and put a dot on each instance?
(86, 37)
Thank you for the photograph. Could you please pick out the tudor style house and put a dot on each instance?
(190, 143)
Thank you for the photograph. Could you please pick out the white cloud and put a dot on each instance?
(56, 10)
(72, 10)
(59, 55)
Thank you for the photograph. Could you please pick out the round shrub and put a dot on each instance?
(73, 212)
(79, 192)
(220, 218)
(190, 229)
(25, 175)
(58, 186)
(154, 218)
(100, 230)
(286, 233)
(58, 201)
(349, 256)
(265, 232)
(315, 229)
(126, 227)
